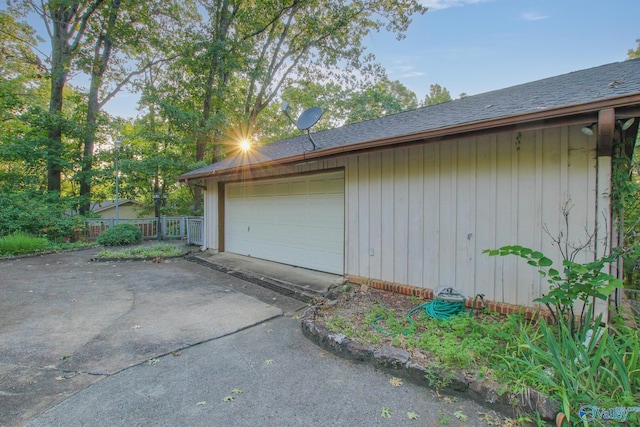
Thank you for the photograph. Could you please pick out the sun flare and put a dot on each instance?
(245, 145)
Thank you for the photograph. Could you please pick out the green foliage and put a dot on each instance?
(598, 366)
(21, 243)
(437, 95)
(39, 214)
(631, 53)
(154, 251)
(578, 282)
(462, 341)
(120, 234)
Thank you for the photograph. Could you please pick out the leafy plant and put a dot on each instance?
(600, 365)
(21, 243)
(120, 234)
(37, 214)
(578, 282)
(444, 419)
(160, 250)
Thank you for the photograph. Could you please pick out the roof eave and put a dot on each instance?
(524, 121)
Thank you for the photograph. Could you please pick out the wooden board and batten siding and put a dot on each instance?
(421, 215)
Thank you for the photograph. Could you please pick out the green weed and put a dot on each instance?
(21, 243)
(153, 251)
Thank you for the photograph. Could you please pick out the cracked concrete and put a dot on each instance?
(67, 322)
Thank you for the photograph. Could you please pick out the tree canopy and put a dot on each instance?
(209, 73)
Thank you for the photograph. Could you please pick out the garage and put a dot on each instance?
(296, 220)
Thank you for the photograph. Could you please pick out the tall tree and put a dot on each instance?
(66, 22)
(127, 38)
(380, 99)
(634, 53)
(22, 96)
(261, 46)
(437, 95)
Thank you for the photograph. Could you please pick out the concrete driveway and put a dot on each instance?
(177, 343)
(67, 322)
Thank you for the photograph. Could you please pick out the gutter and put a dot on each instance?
(544, 118)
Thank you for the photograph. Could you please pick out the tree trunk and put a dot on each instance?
(101, 55)
(89, 143)
(59, 73)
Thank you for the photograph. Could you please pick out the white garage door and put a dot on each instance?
(297, 221)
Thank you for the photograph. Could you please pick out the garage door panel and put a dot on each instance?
(297, 221)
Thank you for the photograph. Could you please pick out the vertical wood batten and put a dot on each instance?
(485, 217)
(364, 211)
(387, 252)
(211, 214)
(447, 205)
(401, 216)
(351, 216)
(505, 266)
(375, 215)
(431, 216)
(466, 210)
(527, 278)
(538, 203)
(416, 242)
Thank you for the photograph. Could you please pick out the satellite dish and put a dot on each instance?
(309, 117)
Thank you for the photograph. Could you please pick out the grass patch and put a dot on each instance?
(154, 251)
(21, 243)
(462, 341)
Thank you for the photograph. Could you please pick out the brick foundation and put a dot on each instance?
(426, 293)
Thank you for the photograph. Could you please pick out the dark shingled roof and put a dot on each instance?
(579, 87)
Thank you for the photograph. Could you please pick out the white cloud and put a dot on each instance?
(412, 74)
(533, 16)
(444, 4)
(404, 71)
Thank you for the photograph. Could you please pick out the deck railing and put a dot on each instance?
(166, 227)
(195, 231)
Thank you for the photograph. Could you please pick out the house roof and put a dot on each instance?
(107, 204)
(611, 85)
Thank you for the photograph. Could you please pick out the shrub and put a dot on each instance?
(20, 243)
(120, 234)
(38, 214)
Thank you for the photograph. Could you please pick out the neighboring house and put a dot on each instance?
(127, 209)
(409, 201)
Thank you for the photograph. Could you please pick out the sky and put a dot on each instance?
(475, 46)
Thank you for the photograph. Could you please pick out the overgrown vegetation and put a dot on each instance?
(154, 251)
(521, 354)
(598, 366)
(39, 214)
(20, 243)
(120, 234)
(577, 287)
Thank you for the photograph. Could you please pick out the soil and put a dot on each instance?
(353, 303)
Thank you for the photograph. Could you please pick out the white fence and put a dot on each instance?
(195, 231)
(180, 227)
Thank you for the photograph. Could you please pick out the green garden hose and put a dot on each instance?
(437, 309)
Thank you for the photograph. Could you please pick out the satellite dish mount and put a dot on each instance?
(307, 119)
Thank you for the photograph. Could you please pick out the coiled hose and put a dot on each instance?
(437, 309)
